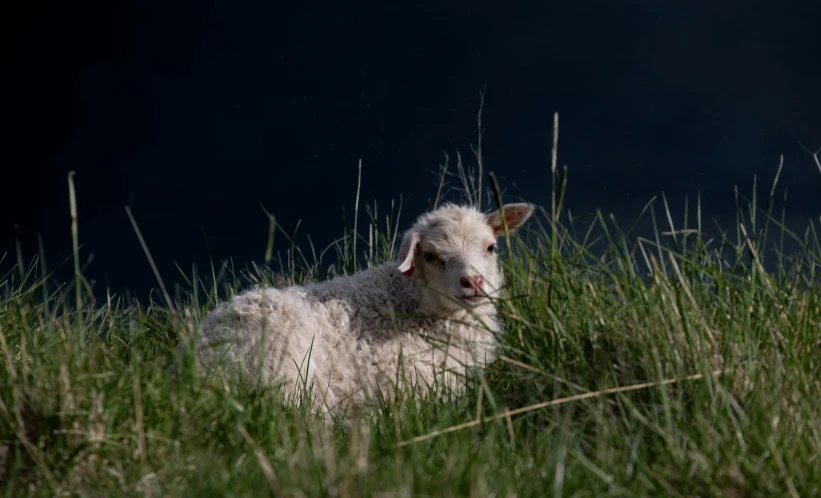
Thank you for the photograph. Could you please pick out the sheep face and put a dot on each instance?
(451, 253)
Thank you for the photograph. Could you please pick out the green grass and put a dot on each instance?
(88, 407)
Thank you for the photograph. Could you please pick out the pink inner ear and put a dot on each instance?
(409, 271)
(513, 217)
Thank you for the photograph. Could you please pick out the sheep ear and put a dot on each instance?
(407, 252)
(515, 216)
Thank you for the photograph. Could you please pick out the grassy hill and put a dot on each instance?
(674, 366)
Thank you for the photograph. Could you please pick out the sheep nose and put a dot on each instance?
(474, 283)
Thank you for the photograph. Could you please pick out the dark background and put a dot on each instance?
(197, 112)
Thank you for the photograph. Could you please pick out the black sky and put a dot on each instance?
(197, 112)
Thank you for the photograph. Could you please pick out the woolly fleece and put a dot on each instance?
(412, 320)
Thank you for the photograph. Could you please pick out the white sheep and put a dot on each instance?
(406, 321)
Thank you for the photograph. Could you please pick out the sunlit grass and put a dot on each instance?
(725, 357)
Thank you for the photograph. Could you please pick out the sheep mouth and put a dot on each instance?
(473, 300)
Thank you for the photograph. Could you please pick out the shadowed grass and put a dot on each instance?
(88, 407)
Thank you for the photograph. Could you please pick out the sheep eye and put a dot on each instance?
(491, 248)
(430, 257)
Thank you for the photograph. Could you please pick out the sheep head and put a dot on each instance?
(451, 252)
